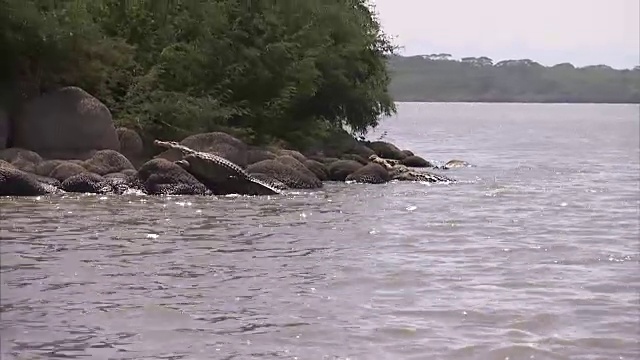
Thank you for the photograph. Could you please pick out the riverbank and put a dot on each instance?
(66, 140)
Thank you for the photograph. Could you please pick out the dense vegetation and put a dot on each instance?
(286, 69)
(439, 78)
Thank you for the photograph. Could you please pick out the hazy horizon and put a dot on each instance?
(581, 32)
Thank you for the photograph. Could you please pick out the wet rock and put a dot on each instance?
(339, 170)
(256, 155)
(68, 123)
(371, 173)
(86, 182)
(363, 151)
(218, 143)
(107, 161)
(386, 150)
(131, 145)
(46, 167)
(163, 177)
(294, 154)
(22, 159)
(285, 173)
(49, 181)
(15, 182)
(309, 176)
(355, 157)
(325, 160)
(66, 170)
(121, 183)
(415, 161)
(318, 169)
(129, 172)
(408, 153)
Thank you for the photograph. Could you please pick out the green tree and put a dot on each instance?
(273, 68)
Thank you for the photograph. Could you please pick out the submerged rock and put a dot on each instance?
(15, 182)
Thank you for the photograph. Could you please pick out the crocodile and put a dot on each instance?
(402, 173)
(218, 174)
(455, 164)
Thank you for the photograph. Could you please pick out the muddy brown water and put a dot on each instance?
(532, 255)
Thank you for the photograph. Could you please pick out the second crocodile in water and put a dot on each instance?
(218, 174)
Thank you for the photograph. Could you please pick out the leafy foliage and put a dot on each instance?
(275, 68)
(438, 78)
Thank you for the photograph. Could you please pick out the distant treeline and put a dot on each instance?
(439, 78)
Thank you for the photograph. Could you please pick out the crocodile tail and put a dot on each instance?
(264, 184)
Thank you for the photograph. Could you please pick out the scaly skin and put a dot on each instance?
(403, 173)
(219, 174)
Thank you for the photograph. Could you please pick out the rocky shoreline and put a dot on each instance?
(66, 141)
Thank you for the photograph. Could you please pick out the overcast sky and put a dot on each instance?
(583, 32)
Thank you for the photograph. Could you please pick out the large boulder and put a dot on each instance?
(355, 157)
(68, 123)
(255, 155)
(415, 161)
(339, 170)
(4, 129)
(106, 162)
(217, 143)
(66, 170)
(22, 159)
(318, 168)
(301, 168)
(45, 180)
(129, 172)
(294, 154)
(363, 151)
(163, 177)
(131, 145)
(46, 167)
(371, 173)
(15, 182)
(285, 173)
(326, 160)
(87, 182)
(124, 181)
(386, 150)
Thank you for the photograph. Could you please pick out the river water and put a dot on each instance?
(534, 254)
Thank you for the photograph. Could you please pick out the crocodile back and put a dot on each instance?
(219, 161)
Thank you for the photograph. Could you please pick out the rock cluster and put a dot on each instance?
(66, 141)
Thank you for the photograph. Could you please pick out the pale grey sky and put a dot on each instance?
(583, 32)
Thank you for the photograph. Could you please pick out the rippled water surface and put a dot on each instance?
(532, 255)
